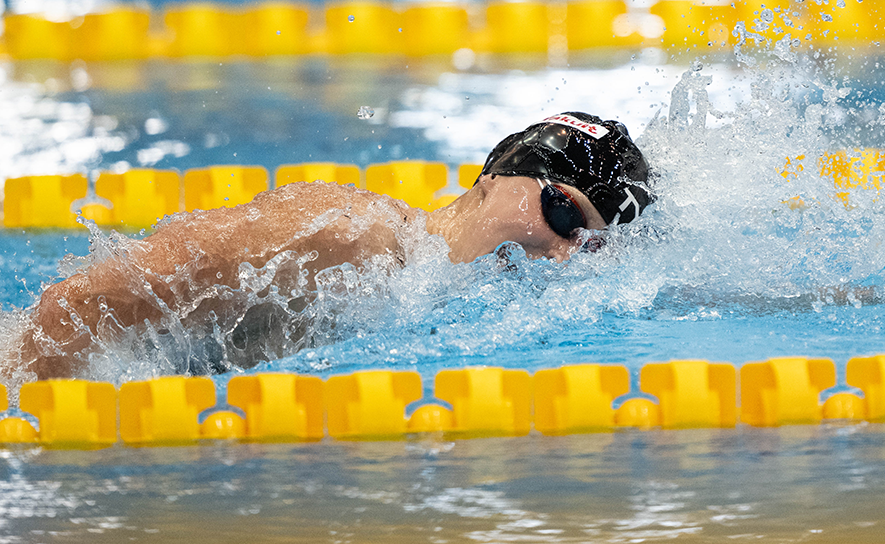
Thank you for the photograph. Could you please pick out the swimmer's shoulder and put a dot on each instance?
(321, 196)
(314, 189)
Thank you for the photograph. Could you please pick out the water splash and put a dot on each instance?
(747, 224)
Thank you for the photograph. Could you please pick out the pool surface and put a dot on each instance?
(792, 484)
(720, 268)
(728, 265)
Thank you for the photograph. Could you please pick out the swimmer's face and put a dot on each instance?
(502, 209)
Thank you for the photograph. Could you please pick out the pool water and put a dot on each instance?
(721, 267)
(792, 484)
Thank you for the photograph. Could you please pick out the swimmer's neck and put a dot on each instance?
(449, 223)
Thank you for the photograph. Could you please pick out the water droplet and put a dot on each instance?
(365, 112)
(350, 18)
(697, 66)
(767, 16)
(278, 32)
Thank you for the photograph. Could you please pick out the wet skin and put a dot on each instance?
(181, 265)
(502, 209)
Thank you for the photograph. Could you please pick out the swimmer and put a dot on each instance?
(538, 188)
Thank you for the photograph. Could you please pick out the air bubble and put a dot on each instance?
(350, 18)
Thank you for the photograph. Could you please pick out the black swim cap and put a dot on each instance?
(596, 157)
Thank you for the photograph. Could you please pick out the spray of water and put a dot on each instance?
(747, 222)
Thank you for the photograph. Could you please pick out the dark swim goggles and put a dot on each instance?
(562, 213)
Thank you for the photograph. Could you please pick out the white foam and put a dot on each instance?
(720, 241)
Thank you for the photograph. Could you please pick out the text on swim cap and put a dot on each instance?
(597, 131)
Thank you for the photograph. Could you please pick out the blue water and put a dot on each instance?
(731, 331)
(28, 260)
(719, 268)
(796, 484)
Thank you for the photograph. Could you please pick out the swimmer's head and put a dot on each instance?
(594, 156)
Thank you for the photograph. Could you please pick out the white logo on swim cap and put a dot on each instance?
(628, 201)
(597, 131)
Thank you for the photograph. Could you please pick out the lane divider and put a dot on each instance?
(414, 182)
(765, 403)
(222, 186)
(42, 201)
(578, 397)
(140, 197)
(467, 403)
(278, 406)
(202, 29)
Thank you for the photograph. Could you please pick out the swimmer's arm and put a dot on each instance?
(172, 266)
(336, 222)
